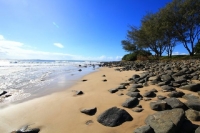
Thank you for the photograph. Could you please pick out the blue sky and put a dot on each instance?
(69, 29)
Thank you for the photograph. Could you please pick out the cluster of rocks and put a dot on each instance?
(173, 116)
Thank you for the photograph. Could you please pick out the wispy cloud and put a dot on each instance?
(58, 45)
(17, 50)
(55, 25)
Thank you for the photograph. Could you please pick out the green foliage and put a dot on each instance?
(197, 48)
(130, 57)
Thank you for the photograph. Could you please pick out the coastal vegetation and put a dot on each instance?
(178, 23)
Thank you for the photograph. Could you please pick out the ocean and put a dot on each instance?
(26, 79)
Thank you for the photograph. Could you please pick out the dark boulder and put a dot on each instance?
(137, 86)
(190, 97)
(158, 105)
(149, 94)
(168, 121)
(174, 103)
(193, 104)
(167, 88)
(121, 87)
(135, 76)
(161, 97)
(114, 117)
(144, 129)
(130, 102)
(192, 115)
(166, 78)
(133, 94)
(133, 89)
(89, 111)
(79, 92)
(191, 87)
(3, 93)
(176, 94)
(113, 90)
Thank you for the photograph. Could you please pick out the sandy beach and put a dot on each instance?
(60, 112)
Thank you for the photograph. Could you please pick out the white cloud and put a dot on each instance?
(17, 50)
(58, 45)
(178, 53)
(1, 37)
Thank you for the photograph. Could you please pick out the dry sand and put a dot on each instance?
(60, 112)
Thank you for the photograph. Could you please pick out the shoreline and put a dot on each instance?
(60, 111)
(60, 83)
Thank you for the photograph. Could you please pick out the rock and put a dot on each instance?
(113, 90)
(193, 104)
(84, 80)
(27, 129)
(190, 97)
(168, 121)
(3, 93)
(144, 129)
(176, 94)
(121, 94)
(137, 86)
(154, 78)
(147, 99)
(130, 102)
(197, 130)
(192, 115)
(103, 75)
(89, 111)
(114, 117)
(161, 97)
(167, 88)
(175, 84)
(121, 87)
(139, 106)
(134, 90)
(154, 90)
(79, 92)
(162, 83)
(191, 87)
(137, 109)
(149, 94)
(133, 94)
(174, 103)
(104, 80)
(158, 105)
(135, 76)
(166, 78)
(79, 70)
(125, 84)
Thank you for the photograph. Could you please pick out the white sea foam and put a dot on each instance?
(20, 77)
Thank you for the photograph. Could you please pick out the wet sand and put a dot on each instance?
(60, 112)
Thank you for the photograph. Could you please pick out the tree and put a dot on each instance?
(130, 44)
(197, 48)
(153, 37)
(185, 15)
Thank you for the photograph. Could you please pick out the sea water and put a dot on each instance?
(22, 79)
